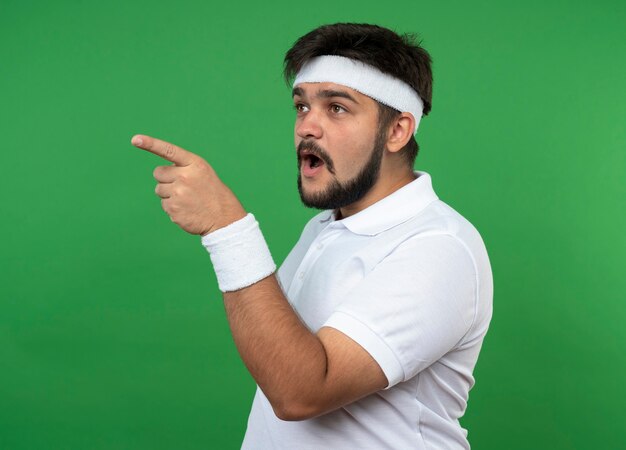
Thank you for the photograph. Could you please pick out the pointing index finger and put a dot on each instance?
(164, 149)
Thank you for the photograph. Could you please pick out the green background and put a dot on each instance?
(112, 330)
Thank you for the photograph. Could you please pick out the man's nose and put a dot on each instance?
(309, 125)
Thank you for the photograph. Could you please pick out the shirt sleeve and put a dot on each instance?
(415, 306)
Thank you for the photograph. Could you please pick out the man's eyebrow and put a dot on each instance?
(329, 93)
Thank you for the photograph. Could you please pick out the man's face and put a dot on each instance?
(338, 142)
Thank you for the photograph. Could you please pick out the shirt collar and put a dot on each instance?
(396, 208)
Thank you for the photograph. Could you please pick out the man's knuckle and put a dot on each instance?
(205, 166)
(170, 150)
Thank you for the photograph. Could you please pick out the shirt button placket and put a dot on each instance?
(309, 259)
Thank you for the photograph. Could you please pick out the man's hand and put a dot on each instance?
(190, 190)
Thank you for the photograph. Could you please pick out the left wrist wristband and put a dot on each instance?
(239, 254)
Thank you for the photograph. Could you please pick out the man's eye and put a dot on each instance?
(300, 107)
(337, 109)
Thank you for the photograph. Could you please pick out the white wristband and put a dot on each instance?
(239, 254)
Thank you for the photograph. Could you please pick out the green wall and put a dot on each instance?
(112, 331)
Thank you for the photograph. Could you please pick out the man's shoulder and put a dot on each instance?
(439, 228)
(437, 218)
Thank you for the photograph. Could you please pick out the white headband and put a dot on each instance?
(364, 78)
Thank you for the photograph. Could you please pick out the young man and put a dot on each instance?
(368, 335)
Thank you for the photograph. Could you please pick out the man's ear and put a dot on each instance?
(401, 132)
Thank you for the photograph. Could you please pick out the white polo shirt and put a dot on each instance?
(407, 278)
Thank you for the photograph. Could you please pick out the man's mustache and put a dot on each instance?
(314, 149)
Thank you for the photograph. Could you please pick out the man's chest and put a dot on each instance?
(332, 265)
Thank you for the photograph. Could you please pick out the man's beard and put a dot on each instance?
(338, 195)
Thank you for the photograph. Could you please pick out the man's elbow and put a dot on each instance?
(294, 411)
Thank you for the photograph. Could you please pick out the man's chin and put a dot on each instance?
(312, 201)
(312, 197)
(314, 204)
(318, 199)
(310, 188)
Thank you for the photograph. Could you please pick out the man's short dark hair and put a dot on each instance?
(397, 55)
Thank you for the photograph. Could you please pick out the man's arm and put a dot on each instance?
(302, 374)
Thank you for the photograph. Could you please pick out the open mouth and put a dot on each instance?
(311, 164)
(312, 161)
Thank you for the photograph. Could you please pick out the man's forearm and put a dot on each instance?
(287, 361)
